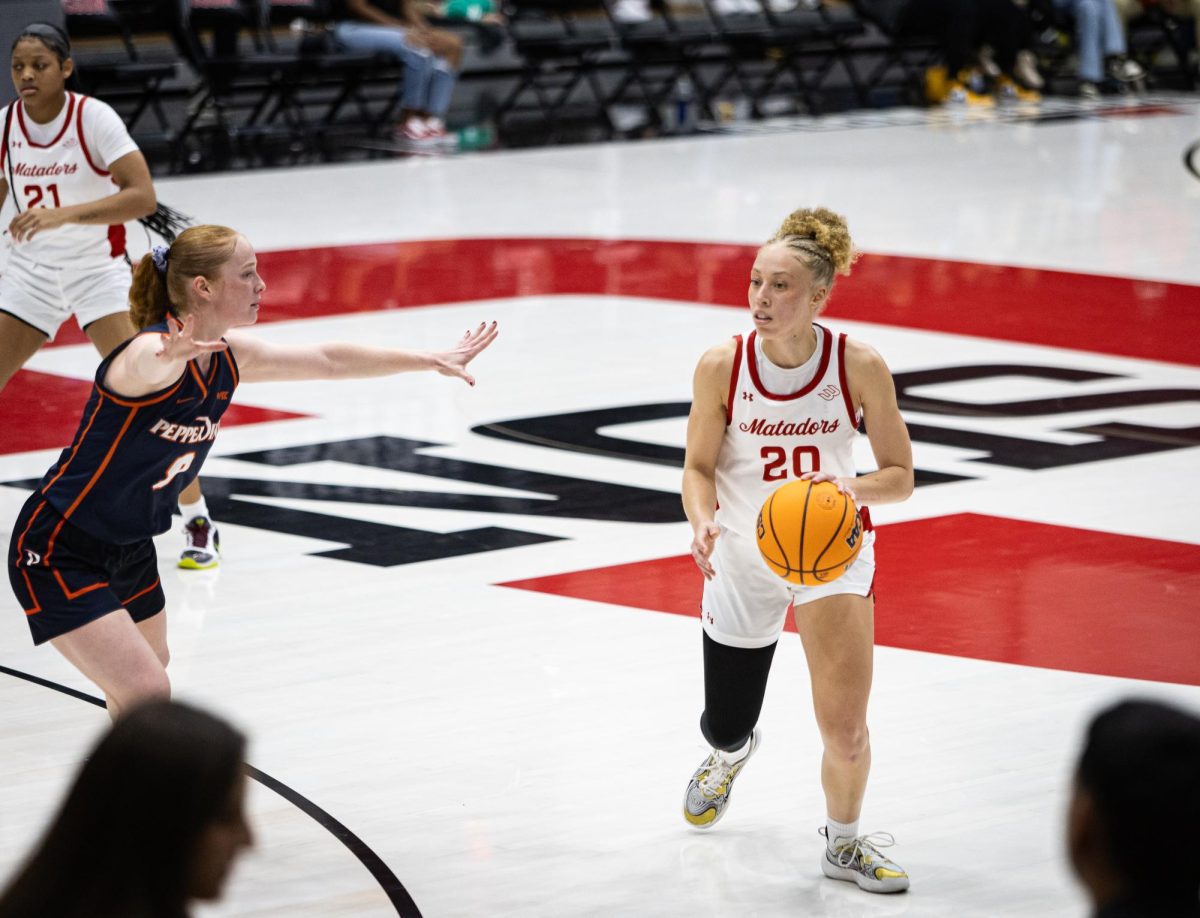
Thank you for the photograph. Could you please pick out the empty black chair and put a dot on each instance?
(561, 53)
(246, 94)
(120, 73)
(660, 54)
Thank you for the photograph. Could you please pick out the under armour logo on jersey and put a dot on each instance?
(32, 558)
(830, 392)
(68, 143)
(747, 396)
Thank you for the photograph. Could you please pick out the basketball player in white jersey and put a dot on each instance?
(76, 177)
(781, 403)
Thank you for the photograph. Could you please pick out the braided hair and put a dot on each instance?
(821, 240)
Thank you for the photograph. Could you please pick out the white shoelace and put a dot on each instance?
(718, 774)
(864, 844)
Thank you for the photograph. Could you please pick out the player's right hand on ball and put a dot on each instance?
(703, 543)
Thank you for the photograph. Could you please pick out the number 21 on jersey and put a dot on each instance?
(34, 195)
(775, 459)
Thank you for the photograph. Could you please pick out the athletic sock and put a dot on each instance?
(190, 511)
(839, 830)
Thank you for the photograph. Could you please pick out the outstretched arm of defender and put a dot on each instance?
(260, 361)
(153, 360)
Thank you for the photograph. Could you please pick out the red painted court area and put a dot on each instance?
(42, 411)
(1058, 308)
(994, 589)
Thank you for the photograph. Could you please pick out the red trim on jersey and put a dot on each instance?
(66, 122)
(733, 379)
(864, 513)
(846, 397)
(87, 154)
(116, 239)
(823, 365)
(103, 465)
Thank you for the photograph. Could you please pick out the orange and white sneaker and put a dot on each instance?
(202, 545)
(857, 860)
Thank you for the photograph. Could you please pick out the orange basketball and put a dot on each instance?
(809, 533)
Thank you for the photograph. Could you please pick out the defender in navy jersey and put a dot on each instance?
(131, 457)
(75, 177)
(81, 561)
(783, 402)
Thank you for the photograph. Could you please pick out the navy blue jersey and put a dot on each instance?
(120, 478)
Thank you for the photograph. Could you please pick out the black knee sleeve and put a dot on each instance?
(735, 682)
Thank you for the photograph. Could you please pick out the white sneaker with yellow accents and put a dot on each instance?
(857, 860)
(708, 791)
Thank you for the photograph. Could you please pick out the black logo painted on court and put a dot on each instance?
(549, 496)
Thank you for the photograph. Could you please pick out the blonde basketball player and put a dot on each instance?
(789, 368)
(76, 178)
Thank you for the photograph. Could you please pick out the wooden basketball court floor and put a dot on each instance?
(459, 624)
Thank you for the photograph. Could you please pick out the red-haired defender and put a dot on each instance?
(82, 560)
(76, 178)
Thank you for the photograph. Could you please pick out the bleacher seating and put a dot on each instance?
(238, 85)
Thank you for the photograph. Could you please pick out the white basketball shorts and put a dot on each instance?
(45, 297)
(745, 604)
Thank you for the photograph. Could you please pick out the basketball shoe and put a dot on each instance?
(857, 860)
(708, 791)
(1009, 90)
(202, 545)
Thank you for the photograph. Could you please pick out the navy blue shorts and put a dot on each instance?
(65, 578)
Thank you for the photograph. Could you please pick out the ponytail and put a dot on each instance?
(148, 299)
(162, 278)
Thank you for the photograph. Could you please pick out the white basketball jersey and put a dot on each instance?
(59, 173)
(781, 424)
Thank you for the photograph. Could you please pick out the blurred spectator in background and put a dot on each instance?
(1100, 45)
(153, 821)
(1129, 10)
(1134, 807)
(963, 27)
(431, 58)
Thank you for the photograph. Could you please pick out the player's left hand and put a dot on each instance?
(454, 362)
(25, 226)
(842, 486)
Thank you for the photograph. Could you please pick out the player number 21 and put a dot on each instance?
(34, 194)
(776, 458)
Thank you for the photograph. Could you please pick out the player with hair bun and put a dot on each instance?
(81, 561)
(794, 375)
